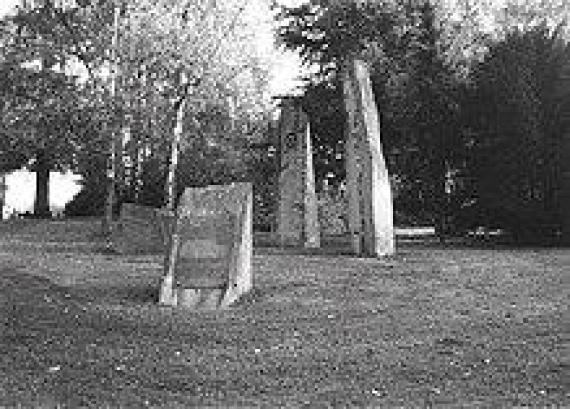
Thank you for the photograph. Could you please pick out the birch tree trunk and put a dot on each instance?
(178, 128)
(111, 169)
(171, 177)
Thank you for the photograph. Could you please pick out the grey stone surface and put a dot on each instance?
(370, 212)
(209, 262)
(297, 218)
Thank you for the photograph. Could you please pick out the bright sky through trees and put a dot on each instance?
(285, 65)
(283, 73)
(285, 69)
(21, 184)
(7, 6)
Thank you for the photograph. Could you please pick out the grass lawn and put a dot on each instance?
(446, 327)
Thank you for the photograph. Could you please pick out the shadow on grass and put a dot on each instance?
(18, 287)
(15, 283)
(133, 295)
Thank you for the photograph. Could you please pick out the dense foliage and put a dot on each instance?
(471, 124)
(72, 86)
(520, 106)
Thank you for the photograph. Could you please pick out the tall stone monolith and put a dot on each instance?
(370, 212)
(297, 219)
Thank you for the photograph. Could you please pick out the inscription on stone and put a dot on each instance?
(209, 262)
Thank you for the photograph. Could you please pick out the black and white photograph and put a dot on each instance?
(284, 204)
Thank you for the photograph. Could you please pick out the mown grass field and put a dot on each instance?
(431, 326)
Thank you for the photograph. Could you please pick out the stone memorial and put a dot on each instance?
(138, 231)
(297, 219)
(370, 213)
(208, 265)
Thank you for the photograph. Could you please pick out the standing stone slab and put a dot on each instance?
(138, 231)
(209, 260)
(297, 220)
(369, 194)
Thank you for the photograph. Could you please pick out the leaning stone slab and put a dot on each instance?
(297, 217)
(370, 213)
(138, 231)
(209, 259)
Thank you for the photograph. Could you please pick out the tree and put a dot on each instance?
(417, 71)
(160, 43)
(522, 105)
(323, 102)
(41, 107)
(194, 61)
(39, 42)
(426, 112)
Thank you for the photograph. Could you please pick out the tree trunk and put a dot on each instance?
(111, 170)
(138, 172)
(171, 178)
(107, 220)
(564, 191)
(3, 189)
(441, 197)
(41, 203)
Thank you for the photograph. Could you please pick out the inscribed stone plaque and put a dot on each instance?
(210, 257)
(204, 251)
(138, 230)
